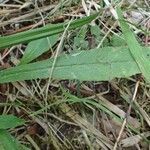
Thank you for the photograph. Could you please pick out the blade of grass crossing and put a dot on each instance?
(134, 47)
(48, 30)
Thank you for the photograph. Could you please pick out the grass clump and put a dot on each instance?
(75, 73)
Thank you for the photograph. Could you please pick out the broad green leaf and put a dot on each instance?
(38, 47)
(95, 65)
(7, 142)
(48, 30)
(10, 121)
(135, 48)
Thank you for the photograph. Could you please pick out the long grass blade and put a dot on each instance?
(134, 47)
(48, 30)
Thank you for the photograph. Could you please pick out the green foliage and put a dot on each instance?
(98, 35)
(7, 142)
(80, 41)
(48, 30)
(135, 48)
(38, 47)
(124, 58)
(94, 65)
(117, 41)
(10, 121)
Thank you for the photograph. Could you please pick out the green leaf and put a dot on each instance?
(38, 47)
(10, 121)
(7, 142)
(79, 40)
(96, 31)
(95, 65)
(134, 47)
(117, 41)
(48, 30)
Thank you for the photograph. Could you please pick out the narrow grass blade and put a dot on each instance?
(134, 47)
(95, 65)
(48, 30)
(38, 47)
(10, 121)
